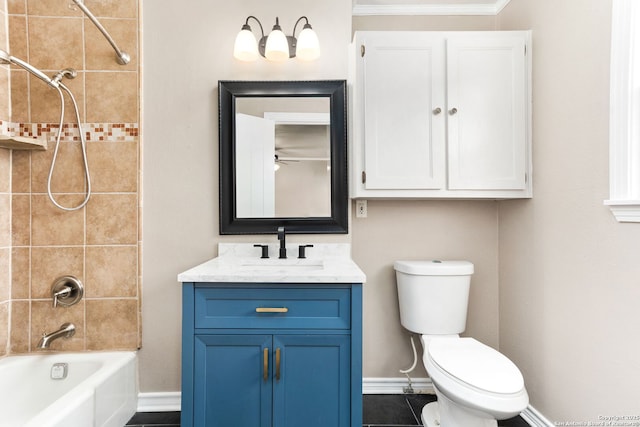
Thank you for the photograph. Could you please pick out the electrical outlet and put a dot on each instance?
(361, 208)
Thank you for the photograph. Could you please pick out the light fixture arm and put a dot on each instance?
(307, 25)
(247, 27)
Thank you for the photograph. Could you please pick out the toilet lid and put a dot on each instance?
(476, 364)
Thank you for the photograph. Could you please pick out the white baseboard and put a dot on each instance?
(535, 418)
(170, 401)
(159, 402)
(395, 385)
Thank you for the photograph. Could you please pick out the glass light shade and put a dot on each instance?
(246, 46)
(308, 48)
(277, 48)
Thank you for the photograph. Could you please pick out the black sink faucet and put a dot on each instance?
(283, 244)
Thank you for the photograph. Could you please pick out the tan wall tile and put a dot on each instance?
(112, 324)
(20, 273)
(19, 96)
(112, 97)
(112, 271)
(99, 53)
(21, 220)
(112, 219)
(49, 263)
(5, 171)
(68, 174)
(5, 90)
(5, 271)
(55, 43)
(113, 9)
(45, 101)
(18, 36)
(46, 319)
(52, 8)
(20, 330)
(114, 166)
(21, 171)
(17, 6)
(3, 28)
(4, 327)
(5, 220)
(53, 226)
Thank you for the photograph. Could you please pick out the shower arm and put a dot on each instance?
(122, 57)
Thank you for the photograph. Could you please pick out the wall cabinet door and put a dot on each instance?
(441, 115)
(402, 90)
(486, 103)
(272, 380)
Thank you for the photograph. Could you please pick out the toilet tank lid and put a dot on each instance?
(434, 267)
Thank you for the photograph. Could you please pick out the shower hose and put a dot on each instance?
(83, 148)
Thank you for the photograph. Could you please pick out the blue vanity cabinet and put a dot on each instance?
(272, 355)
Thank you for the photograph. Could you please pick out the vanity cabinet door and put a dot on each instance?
(312, 387)
(230, 388)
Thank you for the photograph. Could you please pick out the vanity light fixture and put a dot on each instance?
(277, 46)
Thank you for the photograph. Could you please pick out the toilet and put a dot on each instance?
(475, 384)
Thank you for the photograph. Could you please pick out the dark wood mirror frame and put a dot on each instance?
(335, 90)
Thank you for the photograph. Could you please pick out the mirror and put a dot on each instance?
(283, 156)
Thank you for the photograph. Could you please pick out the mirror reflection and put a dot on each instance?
(283, 157)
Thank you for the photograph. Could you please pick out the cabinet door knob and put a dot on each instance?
(437, 111)
(453, 111)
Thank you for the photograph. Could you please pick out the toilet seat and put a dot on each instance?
(476, 364)
(475, 375)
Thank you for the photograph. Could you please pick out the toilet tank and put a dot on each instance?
(433, 295)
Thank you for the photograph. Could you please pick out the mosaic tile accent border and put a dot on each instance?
(113, 132)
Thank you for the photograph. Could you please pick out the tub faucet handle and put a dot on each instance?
(66, 291)
(61, 294)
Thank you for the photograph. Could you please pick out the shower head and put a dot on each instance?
(5, 58)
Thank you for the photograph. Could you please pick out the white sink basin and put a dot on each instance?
(280, 265)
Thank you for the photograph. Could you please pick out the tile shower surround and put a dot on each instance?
(99, 244)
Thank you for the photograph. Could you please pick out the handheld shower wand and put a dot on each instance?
(5, 58)
(56, 83)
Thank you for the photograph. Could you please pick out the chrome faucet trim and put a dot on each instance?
(67, 330)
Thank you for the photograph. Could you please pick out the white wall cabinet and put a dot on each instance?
(441, 115)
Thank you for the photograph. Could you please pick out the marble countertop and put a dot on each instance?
(241, 262)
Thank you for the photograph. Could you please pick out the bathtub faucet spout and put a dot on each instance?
(67, 330)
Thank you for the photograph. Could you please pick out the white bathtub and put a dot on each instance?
(100, 389)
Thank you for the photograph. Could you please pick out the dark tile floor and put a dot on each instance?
(386, 410)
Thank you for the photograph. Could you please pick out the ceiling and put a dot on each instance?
(428, 7)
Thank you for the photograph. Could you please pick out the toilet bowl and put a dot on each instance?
(475, 384)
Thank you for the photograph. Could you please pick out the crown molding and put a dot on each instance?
(492, 8)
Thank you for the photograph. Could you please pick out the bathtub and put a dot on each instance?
(98, 389)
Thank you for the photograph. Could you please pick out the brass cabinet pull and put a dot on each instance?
(265, 368)
(271, 309)
(277, 364)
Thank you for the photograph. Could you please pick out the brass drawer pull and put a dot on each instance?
(271, 309)
(265, 368)
(277, 364)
